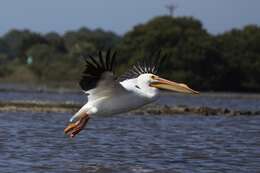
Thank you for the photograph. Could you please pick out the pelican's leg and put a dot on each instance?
(74, 128)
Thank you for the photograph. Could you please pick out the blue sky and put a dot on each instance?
(121, 15)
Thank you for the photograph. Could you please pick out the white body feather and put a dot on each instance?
(114, 98)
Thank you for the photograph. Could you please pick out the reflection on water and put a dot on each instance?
(34, 142)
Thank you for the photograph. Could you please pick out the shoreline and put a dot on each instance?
(69, 107)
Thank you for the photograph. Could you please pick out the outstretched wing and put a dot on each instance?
(146, 66)
(98, 71)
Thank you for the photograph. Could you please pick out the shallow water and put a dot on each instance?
(34, 142)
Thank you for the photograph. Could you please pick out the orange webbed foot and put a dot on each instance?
(74, 128)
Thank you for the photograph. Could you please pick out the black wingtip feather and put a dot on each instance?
(108, 58)
(101, 59)
(112, 63)
(94, 69)
(93, 60)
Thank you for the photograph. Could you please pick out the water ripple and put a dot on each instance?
(34, 142)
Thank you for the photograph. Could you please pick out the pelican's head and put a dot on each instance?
(155, 82)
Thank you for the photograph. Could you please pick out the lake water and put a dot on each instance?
(35, 142)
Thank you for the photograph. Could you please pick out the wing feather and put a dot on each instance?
(108, 60)
(98, 77)
(95, 70)
(112, 61)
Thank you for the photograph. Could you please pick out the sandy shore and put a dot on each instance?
(17, 106)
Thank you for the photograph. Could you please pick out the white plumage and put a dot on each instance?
(107, 96)
(119, 97)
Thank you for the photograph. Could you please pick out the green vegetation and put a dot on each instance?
(224, 62)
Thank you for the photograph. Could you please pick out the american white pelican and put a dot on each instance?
(108, 95)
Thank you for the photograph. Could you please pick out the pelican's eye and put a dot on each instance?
(153, 77)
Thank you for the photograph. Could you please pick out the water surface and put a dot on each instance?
(34, 142)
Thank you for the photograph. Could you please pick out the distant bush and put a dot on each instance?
(226, 62)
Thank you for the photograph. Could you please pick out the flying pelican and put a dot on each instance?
(109, 95)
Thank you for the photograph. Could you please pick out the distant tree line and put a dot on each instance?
(226, 62)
